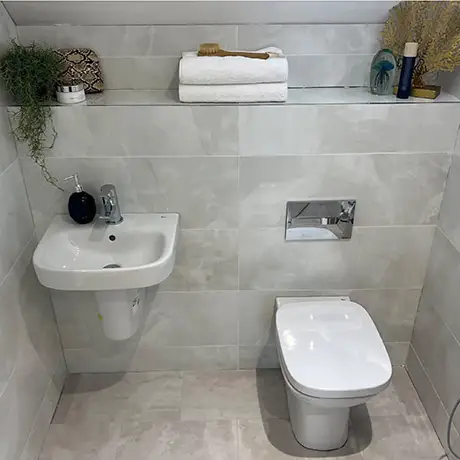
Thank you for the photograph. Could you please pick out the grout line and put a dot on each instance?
(438, 226)
(13, 265)
(238, 155)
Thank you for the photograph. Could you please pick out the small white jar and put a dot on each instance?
(70, 94)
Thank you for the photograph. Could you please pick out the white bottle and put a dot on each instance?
(70, 94)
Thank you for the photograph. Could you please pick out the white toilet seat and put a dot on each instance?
(330, 348)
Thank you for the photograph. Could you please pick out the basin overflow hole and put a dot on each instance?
(112, 237)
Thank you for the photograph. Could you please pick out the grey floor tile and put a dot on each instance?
(93, 438)
(400, 398)
(222, 415)
(272, 439)
(149, 439)
(396, 437)
(129, 393)
(234, 395)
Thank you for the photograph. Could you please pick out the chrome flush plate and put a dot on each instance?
(320, 220)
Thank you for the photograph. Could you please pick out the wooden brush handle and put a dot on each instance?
(223, 53)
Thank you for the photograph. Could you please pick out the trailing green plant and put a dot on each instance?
(29, 74)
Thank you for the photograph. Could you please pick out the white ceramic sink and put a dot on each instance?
(140, 251)
(117, 262)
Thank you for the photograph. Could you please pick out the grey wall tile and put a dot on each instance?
(389, 189)
(124, 41)
(7, 146)
(438, 352)
(393, 311)
(140, 72)
(257, 357)
(347, 129)
(449, 215)
(30, 348)
(441, 289)
(397, 352)
(382, 257)
(329, 70)
(203, 190)
(127, 12)
(206, 260)
(146, 359)
(192, 319)
(145, 131)
(311, 38)
(16, 226)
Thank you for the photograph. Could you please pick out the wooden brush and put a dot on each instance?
(214, 49)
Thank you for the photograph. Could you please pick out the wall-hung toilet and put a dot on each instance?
(332, 358)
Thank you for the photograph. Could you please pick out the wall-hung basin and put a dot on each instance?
(115, 261)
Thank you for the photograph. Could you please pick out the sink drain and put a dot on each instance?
(112, 266)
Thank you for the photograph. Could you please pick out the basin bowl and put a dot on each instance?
(137, 253)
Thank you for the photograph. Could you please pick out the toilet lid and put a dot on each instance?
(331, 349)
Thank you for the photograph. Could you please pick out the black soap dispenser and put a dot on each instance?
(82, 207)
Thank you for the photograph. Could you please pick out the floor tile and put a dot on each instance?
(131, 393)
(234, 395)
(399, 398)
(94, 438)
(397, 437)
(272, 439)
(148, 439)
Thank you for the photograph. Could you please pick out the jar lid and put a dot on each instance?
(75, 88)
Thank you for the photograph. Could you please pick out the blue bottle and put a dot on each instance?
(407, 71)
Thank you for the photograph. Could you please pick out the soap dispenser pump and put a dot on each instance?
(82, 207)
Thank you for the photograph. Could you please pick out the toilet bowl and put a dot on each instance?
(332, 358)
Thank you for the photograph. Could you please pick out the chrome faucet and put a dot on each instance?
(110, 207)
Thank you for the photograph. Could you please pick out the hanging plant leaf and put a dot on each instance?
(29, 74)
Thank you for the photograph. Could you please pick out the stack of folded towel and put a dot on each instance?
(233, 78)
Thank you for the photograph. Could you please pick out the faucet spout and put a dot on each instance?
(110, 207)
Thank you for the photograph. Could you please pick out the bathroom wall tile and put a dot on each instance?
(257, 357)
(143, 359)
(145, 131)
(380, 257)
(431, 402)
(16, 226)
(393, 312)
(202, 190)
(449, 216)
(330, 70)
(397, 351)
(7, 146)
(438, 352)
(389, 189)
(135, 40)
(192, 319)
(206, 260)
(441, 289)
(30, 342)
(347, 129)
(7, 27)
(41, 425)
(313, 39)
(140, 72)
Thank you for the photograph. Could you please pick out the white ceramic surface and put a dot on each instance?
(73, 257)
(331, 348)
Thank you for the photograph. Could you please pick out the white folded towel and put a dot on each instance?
(262, 92)
(232, 70)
